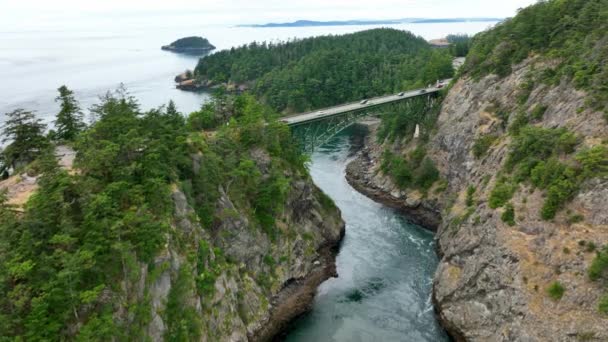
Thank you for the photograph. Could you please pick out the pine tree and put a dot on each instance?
(69, 122)
(26, 134)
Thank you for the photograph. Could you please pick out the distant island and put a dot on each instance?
(190, 45)
(305, 23)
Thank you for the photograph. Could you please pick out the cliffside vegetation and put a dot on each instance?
(571, 32)
(310, 73)
(70, 260)
(416, 170)
(565, 42)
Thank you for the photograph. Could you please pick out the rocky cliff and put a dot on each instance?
(245, 285)
(493, 282)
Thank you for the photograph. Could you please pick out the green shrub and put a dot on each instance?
(502, 193)
(545, 173)
(508, 216)
(534, 144)
(556, 290)
(401, 172)
(603, 305)
(427, 174)
(417, 155)
(421, 176)
(525, 89)
(470, 196)
(539, 112)
(559, 192)
(576, 218)
(520, 120)
(443, 185)
(482, 144)
(594, 161)
(599, 265)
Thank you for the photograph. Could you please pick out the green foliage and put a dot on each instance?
(593, 161)
(25, 133)
(560, 191)
(575, 219)
(426, 174)
(397, 167)
(603, 305)
(204, 119)
(406, 174)
(69, 121)
(556, 290)
(533, 144)
(571, 31)
(534, 156)
(400, 120)
(502, 193)
(470, 200)
(520, 120)
(317, 72)
(183, 322)
(538, 112)
(599, 265)
(482, 144)
(508, 216)
(82, 234)
(459, 44)
(192, 42)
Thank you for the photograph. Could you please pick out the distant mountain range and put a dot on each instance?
(304, 23)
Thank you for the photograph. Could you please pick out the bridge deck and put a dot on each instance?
(303, 118)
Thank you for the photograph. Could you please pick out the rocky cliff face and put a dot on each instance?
(491, 283)
(246, 286)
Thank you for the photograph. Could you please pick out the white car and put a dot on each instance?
(401, 94)
(363, 102)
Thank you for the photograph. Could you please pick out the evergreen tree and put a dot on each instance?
(26, 134)
(69, 122)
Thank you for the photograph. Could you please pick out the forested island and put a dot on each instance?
(190, 45)
(303, 74)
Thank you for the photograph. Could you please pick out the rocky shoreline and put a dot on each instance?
(186, 81)
(363, 175)
(297, 297)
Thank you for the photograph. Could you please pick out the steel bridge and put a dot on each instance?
(313, 129)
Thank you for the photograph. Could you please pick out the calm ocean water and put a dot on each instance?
(95, 55)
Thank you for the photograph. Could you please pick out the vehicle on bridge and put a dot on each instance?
(422, 91)
(401, 94)
(364, 102)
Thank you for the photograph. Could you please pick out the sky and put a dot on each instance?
(22, 13)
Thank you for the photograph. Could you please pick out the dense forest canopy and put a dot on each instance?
(572, 32)
(82, 233)
(311, 73)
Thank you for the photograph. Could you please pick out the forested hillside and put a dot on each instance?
(131, 244)
(570, 33)
(322, 71)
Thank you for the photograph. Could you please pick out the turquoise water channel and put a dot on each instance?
(385, 266)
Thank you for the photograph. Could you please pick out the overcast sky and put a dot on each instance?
(258, 11)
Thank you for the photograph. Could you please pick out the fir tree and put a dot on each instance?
(26, 134)
(69, 122)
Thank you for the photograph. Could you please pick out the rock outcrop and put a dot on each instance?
(258, 284)
(492, 280)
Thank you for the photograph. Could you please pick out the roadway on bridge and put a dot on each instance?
(320, 114)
